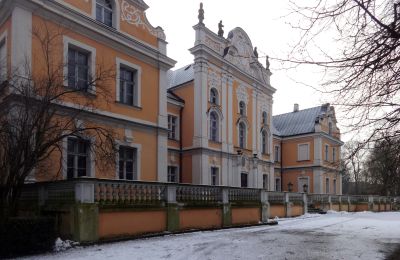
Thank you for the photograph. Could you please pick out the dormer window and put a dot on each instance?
(104, 12)
(214, 96)
(242, 108)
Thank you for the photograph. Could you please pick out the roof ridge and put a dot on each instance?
(298, 111)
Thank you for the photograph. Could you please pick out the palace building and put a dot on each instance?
(209, 123)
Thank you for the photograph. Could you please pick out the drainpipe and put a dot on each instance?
(180, 144)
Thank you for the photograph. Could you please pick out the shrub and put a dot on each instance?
(22, 236)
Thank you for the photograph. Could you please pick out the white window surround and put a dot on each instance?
(115, 14)
(268, 137)
(303, 155)
(246, 128)
(119, 62)
(277, 159)
(3, 44)
(91, 171)
(280, 184)
(69, 42)
(177, 125)
(138, 157)
(219, 173)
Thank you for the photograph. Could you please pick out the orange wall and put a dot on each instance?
(362, 207)
(186, 92)
(290, 148)
(186, 168)
(293, 175)
(245, 215)
(277, 211)
(112, 224)
(200, 218)
(344, 207)
(85, 6)
(296, 210)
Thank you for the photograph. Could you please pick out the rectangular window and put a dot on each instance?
(326, 152)
(3, 60)
(276, 153)
(172, 174)
(214, 176)
(265, 181)
(277, 184)
(303, 152)
(333, 154)
(77, 158)
(78, 69)
(334, 186)
(327, 185)
(127, 86)
(172, 127)
(243, 180)
(127, 163)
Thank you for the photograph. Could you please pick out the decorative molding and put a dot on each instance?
(242, 95)
(137, 17)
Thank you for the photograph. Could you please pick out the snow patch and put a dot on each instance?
(62, 245)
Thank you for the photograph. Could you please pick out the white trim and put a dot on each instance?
(220, 121)
(4, 43)
(219, 174)
(245, 134)
(307, 156)
(300, 189)
(67, 41)
(138, 158)
(178, 174)
(119, 61)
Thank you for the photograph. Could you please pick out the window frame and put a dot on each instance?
(333, 154)
(278, 181)
(138, 148)
(103, 9)
(334, 186)
(176, 124)
(241, 179)
(217, 169)
(137, 102)
(134, 162)
(216, 129)
(116, 13)
(277, 158)
(242, 110)
(265, 178)
(176, 173)
(264, 116)
(244, 135)
(327, 185)
(307, 156)
(326, 152)
(90, 162)
(74, 44)
(264, 142)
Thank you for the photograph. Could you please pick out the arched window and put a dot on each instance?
(104, 12)
(214, 126)
(264, 142)
(264, 118)
(242, 135)
(214, 96)
(242, 108)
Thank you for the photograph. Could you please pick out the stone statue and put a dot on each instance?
(220, 30)
(201, 14)
(255, 52)
(267, 63)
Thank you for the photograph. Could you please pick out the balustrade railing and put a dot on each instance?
(276, 197)
(240, 194)
(191, 193)
(296, 197)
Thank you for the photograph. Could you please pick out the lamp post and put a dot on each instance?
(290, 186)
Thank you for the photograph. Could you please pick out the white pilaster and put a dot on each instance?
(230, 114)
(224, 113)
(254, 123)
(200, 137)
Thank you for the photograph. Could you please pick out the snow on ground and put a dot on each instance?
(337, 235)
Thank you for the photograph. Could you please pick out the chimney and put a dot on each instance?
(296, 108)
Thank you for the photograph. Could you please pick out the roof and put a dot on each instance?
(180, 76)
(175, 97)
(296, 123)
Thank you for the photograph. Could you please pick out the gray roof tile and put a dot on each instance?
(180, 76)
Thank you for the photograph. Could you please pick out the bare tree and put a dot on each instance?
(38, 112)
(357, 43)
(353, 162)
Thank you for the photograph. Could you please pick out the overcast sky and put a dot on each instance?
(267, 24)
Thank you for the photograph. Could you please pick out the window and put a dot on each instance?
(172, 174)
(243, 180)
(78, 69)
(242, 135)
(330, 128)
(214, 96)
(334, 186)
(265, 118)
(214, 126)
(214, 176)
(242, 108)
(77, 157)
(276, 153)
(264, 142)
(303, 152)
(265, 181)
(333, 154)
(326, 152)
(327, 185)
(104, 12)
(172, 127)
(3, 60)
(127, 86)
(277, 184)
(127, 163)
